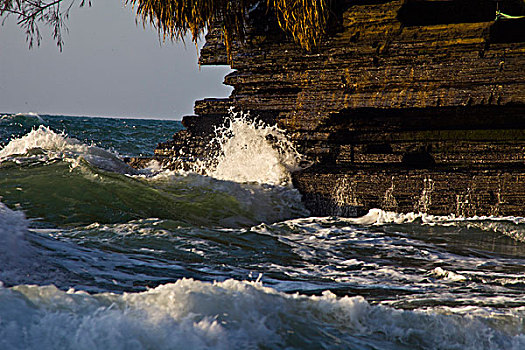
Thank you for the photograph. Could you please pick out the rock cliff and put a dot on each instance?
(408, 105)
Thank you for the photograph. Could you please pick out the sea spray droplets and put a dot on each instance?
(234, 315)
(251, 151)
(42, 138)
(54, 145)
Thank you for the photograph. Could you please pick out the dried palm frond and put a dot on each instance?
(305, 19)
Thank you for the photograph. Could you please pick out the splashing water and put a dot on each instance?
(163, 260)
(235, 315)
(16, 254)
(53, 145)
(510, 226)
(86, 194)
(251, 151)
(42, 138)
(13, 224)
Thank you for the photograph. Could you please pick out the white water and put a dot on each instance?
(49, 145)
(421, 260)
(258, 202)
(190, 314)
(250, 151)
(252, 163)
(302, 254)
(13, 226)
(16, 254)
(511, 226)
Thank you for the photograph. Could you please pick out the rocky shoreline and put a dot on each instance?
(409, 105)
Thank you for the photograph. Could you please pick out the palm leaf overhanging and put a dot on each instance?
(305, 20)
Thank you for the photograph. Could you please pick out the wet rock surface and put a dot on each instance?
(406, 106)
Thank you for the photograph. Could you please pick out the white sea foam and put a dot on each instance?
(382, 217)
(251, 151)
(249, 161)
(42, 138)
(431, 264)
(15, 251)
(243, 150)
(236, 315)
(53, 145)
(511, 226)
(13, 225)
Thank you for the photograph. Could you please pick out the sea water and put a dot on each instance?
(97, 255)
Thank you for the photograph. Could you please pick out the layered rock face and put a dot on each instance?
(407, 106)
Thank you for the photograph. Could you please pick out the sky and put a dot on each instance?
(110, 66)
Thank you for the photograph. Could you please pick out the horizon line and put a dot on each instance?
(88, 116)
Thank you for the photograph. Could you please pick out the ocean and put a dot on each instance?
(97, 255)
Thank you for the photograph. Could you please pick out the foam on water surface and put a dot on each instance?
(429, 281)
(18, 258)
(234, 314)
(54, 145)
(511, 226)
(402, 265)
(13, 246)
(250, 151)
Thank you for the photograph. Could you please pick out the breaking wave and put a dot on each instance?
(43, 144)
(251, 151)
(90, 184)
(238, 315)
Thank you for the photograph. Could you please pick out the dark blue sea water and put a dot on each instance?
(127, 137)
(97, 255)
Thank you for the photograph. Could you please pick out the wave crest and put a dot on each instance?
(251, 151)
(54, 145)
(234, 314)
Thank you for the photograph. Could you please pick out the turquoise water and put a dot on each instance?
(97, 255)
